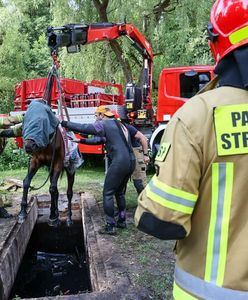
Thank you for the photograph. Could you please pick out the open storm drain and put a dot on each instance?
(55, 263)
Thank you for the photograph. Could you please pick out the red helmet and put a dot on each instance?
(228, 27)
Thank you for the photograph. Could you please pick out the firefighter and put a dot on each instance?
(140, 149)
(13, 131)
(119, 149)
(198, 195)
(5, 123)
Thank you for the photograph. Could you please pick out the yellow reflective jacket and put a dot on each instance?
(199, 195)
(8, 121)
(15, 122)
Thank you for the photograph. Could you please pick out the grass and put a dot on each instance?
(89, 178)
(150, 262)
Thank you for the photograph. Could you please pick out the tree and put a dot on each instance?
(101, 7)
(13, 58)
(23, 46)
(175, 29)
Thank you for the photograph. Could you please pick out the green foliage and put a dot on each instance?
(16, 297)
(181, 36)
(5, 94)
(23, 46)
(178, 37)
(39, 53)
(13, 158)
(12, 54)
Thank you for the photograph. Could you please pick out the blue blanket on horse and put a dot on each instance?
(39, 123)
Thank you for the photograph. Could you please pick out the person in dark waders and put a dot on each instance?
(140, 147)
(6, 131)
(118, 146)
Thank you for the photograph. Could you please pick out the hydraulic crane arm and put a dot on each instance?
(74, 35)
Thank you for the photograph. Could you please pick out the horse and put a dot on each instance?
(40, 120)
(2, 144)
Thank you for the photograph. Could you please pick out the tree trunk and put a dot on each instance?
(101, 7)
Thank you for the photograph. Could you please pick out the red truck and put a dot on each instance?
(175, 86)
(81, 99)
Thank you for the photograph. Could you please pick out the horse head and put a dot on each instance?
(30, 146)
(39, 125)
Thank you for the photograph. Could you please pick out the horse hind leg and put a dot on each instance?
(54, 211)
(70, 182)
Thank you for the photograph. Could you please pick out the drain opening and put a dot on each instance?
(54, 264)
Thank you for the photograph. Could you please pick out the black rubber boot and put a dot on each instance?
(121, 224)
(138, 184)
(108, 229)
(4, 214)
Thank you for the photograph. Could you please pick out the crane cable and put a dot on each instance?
(47, 95)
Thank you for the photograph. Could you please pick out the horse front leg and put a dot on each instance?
(54, 211)
(33, 168)
(70, 182)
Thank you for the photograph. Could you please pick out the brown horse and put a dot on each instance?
(51, 154)
(2, 144)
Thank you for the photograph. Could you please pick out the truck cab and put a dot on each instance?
(176, 86)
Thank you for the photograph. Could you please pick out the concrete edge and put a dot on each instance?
(14, 248)
(107, 273)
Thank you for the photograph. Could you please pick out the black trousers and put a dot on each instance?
(115, 183)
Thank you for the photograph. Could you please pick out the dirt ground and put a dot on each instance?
(139, 267)
(148, 262)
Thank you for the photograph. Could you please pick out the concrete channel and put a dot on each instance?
(108, 277)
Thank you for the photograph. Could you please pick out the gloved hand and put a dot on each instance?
(82, 141)
(76, 140)
(63, 123)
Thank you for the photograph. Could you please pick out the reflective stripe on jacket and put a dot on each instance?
(189, 287)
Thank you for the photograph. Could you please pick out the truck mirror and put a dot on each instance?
(204, 78)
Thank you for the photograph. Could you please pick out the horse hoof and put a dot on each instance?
(54, 222)
(21, 218)
(69, 223)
